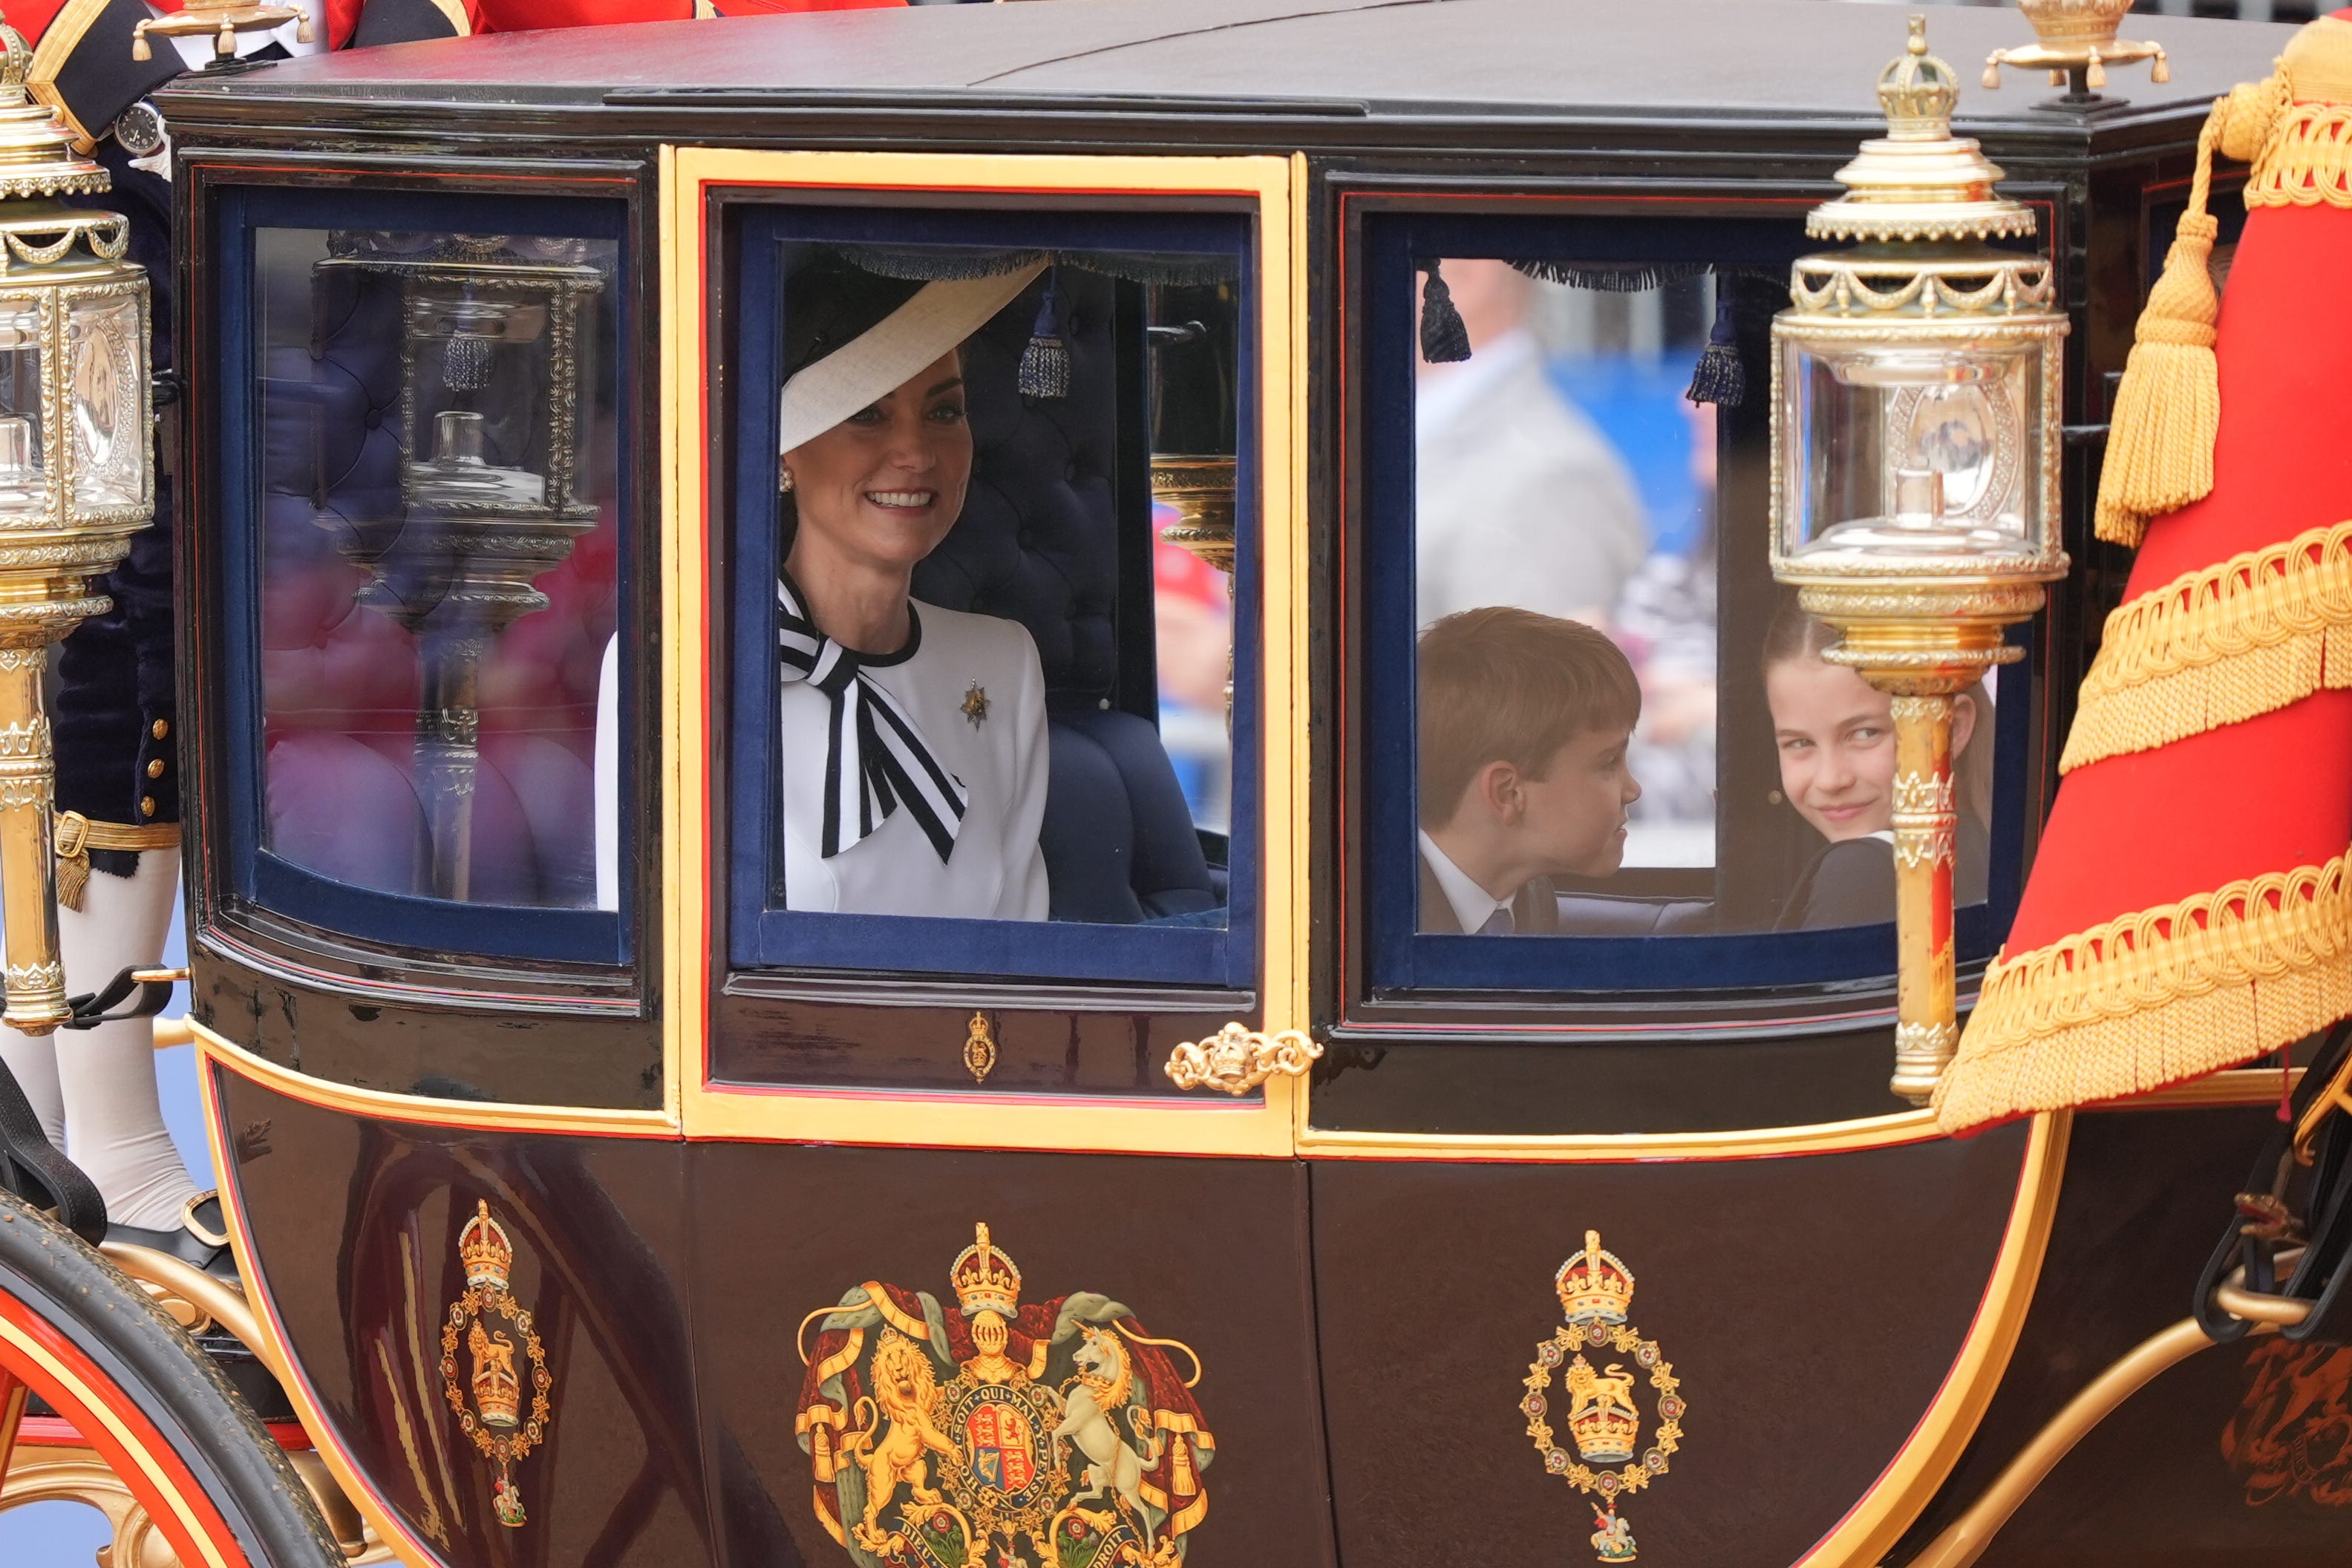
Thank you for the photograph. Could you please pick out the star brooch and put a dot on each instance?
(975, 704)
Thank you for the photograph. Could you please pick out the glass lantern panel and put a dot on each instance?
(104, 408)
(435, 619)
(1911, 447)
(21, 460)
(483, 353)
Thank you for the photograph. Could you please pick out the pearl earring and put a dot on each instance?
(786, 484)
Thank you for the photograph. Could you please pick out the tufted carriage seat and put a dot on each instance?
(1039, 543)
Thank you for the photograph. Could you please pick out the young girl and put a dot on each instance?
(1835, 734)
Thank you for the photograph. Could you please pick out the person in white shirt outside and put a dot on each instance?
(1524, 725)
(1518, 498)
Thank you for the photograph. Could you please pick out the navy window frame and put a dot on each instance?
(257, 874)
(1405, 960)
(763, 934)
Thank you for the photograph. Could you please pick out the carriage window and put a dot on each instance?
(1621, 727)
(436, 480)
(991, 486)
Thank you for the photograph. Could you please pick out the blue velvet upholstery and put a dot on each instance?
(1118, 838)
(1038, 543)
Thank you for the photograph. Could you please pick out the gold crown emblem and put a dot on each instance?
(1593, 1286)
(985, 1279)
(484, 1249)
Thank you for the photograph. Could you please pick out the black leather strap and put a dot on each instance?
(2285, 1206)
(32, 1168)
(92, 1008)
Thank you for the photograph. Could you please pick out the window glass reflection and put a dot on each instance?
(1581, 716)
(438, 482)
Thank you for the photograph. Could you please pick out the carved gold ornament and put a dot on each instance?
(487, 1324)
(1237, 1059)
(2077, 36)
(1603, 1417)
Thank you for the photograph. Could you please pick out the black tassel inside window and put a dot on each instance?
(1718, 378)
(1444, 339)
(1046, 362)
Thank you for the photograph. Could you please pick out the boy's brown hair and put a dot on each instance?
(1503, 684)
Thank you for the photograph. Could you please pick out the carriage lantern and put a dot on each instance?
(77, 480)
(494, 444)
(1916, 455)
(1193, 431)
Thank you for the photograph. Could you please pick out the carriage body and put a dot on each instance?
(607, 1210)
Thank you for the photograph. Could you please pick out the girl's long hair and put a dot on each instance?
(1794, 633)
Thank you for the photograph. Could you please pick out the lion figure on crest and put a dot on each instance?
(1612, 1390)
(904, 1387)
(1091, 1404)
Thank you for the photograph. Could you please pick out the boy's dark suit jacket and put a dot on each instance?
(1534, 913)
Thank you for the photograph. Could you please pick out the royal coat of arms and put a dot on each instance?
(491, 1330)
(1604, 1416)
(999, 1435)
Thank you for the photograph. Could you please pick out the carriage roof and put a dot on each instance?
(1335, 68)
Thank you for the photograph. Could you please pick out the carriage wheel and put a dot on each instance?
(215, 1489)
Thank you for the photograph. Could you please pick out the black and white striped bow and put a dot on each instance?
(875, 760)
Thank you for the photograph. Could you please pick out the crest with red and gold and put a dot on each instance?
(492, 1360)
(1055, 1434)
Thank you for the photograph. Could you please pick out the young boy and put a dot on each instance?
(1524, 724)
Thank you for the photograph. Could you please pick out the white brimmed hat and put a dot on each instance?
(879, 360)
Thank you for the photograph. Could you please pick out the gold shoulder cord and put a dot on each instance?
(78, 836)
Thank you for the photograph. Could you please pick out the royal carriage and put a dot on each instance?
(598, 1201)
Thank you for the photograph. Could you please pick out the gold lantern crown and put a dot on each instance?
(485, 1250)
(36, 146)
(1918, 91)
(1593, 1286)
(985, 1279)
(1919, 181)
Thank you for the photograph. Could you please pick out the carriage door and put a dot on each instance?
(1692, 1282)
(985, 1281)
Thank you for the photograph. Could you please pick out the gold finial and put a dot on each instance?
(2075, 42)
(224, 20)
(17, 66)
(38, 149)
(1918, 90)
(1919, 182)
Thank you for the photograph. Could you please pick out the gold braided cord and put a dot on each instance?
(2247, 637)
(2307, 160)
(2156, 996)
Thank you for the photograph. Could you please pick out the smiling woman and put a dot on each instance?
(963, 456)
(915, 751)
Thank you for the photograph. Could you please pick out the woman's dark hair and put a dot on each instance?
(1795, 635)
(828, 304)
